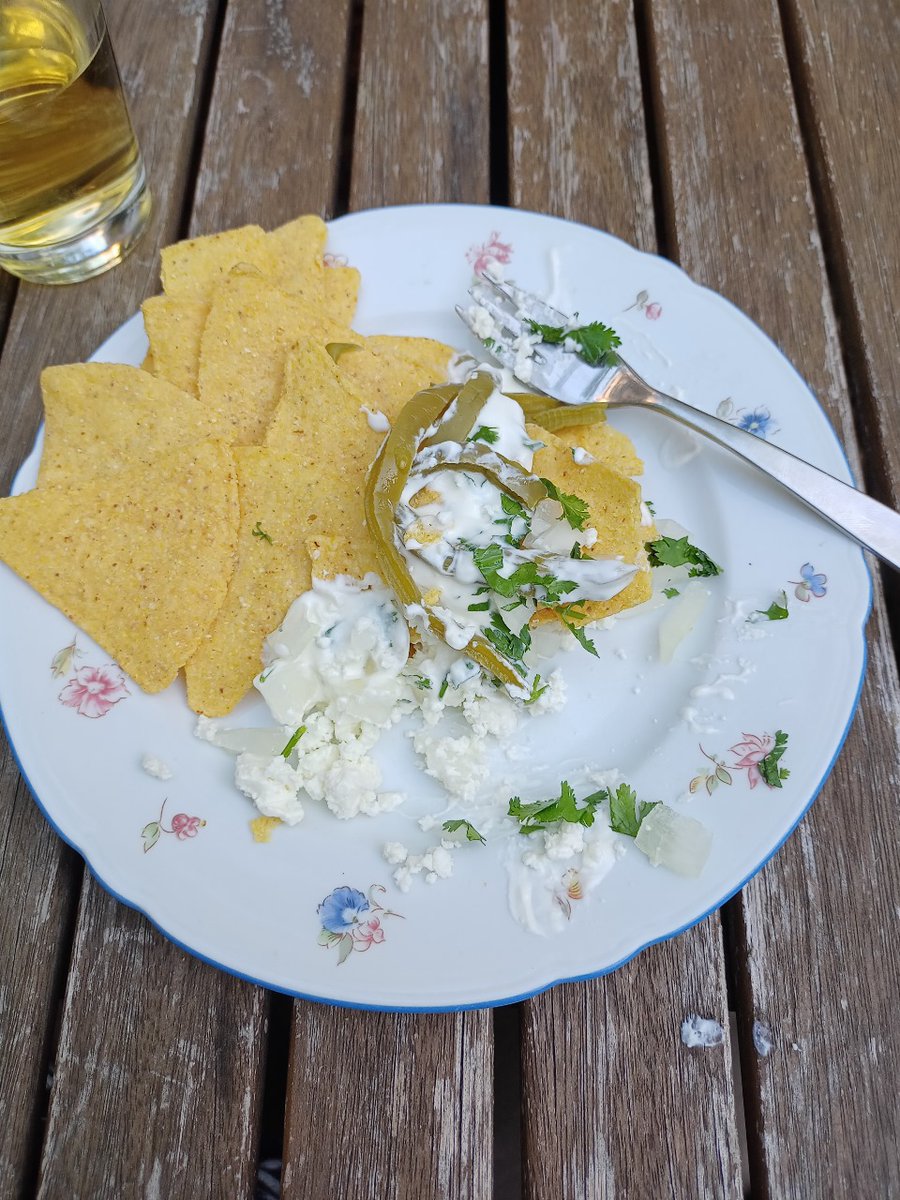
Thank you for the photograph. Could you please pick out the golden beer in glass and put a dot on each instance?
(73, 194)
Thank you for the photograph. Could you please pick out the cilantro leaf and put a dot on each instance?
(421, 681)
(259, 532)
(514, 512)
(541, 813)
(575, 552)
(472, 834)
(295, 738)
(669, 593)
(771, 772)
(513, 646)
(537, 690)
(485, 433)
(678, 552)
(625, 814)
(443, 689)
(596, 342)
(575, 510)
(577, 631)
(777, 610)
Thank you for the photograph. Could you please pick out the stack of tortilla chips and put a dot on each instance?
(180, 506)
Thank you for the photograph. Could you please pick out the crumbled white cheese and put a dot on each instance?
(156, 767)
(394, 853)
(564, 842)
(581, 456)
(272, 784)
(456, 762)
(435, 863)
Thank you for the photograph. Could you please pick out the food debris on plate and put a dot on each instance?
(366, 531)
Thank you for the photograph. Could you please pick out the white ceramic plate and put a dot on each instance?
(80, 730)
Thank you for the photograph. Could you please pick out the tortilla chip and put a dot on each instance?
(261, 828)
(607, 444)
(278, 511)
(296, 250)
(250, 326)
(334, 555)
(615, 507)
(174, 328)
(139, 560)
(424, 352)
(103, 417)
(385, 381)
(340, 289)
(191, 270)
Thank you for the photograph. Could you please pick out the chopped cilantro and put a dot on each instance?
(650, 508)
(576, 630)
(777, 610)
(678, 552)
(565, 807)
(625, 814)
(768, 767)
(513, 646)
(485, 433)
(575, 552)
(537, 689)
(514, 512)
(295, 738)
(575, 510)
(472, 834)
(670, 593)
(421, 681)
(443, 689)
(259, 532)
(483, 606)
(596, 342)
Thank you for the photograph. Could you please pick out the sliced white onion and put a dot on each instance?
(681, 616)
(670, 839)
(268, 742)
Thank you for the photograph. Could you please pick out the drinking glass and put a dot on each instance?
(73, 193)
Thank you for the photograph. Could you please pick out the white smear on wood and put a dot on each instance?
(701, 1031)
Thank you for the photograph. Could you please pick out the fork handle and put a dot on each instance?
(867, 521)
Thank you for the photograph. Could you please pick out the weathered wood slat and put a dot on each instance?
(158, 1071)
(425, 1082)
(604, 1058)
(272, 144)
(421, 131)
(819, 947)
(121, 1064)
(849, 83)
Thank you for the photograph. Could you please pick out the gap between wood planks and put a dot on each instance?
(874, 469)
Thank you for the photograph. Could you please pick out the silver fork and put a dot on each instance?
(505, 311)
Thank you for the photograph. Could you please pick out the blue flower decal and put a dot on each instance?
(758, 421)
(340, 910)
(810, 584)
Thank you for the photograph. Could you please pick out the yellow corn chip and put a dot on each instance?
(191, 270)
(296, 250)
(333, 555)
(605, 443)
(340, 288)
(139, 560)
(174, 328)
(261, 828)
(424, 352)
(385, 381)
(615, 507)
(249, 327)
(101, 417)
(278, 512)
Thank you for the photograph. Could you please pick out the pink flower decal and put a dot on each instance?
(367, 933)
(750, 753)
(482, 258)
(182, 827)
(651, 309)
(93, 691)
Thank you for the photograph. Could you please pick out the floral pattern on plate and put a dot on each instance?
(352, 921)
(651, 309)
(91, 691)
(182, 827)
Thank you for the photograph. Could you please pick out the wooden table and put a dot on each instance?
(755, 144)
